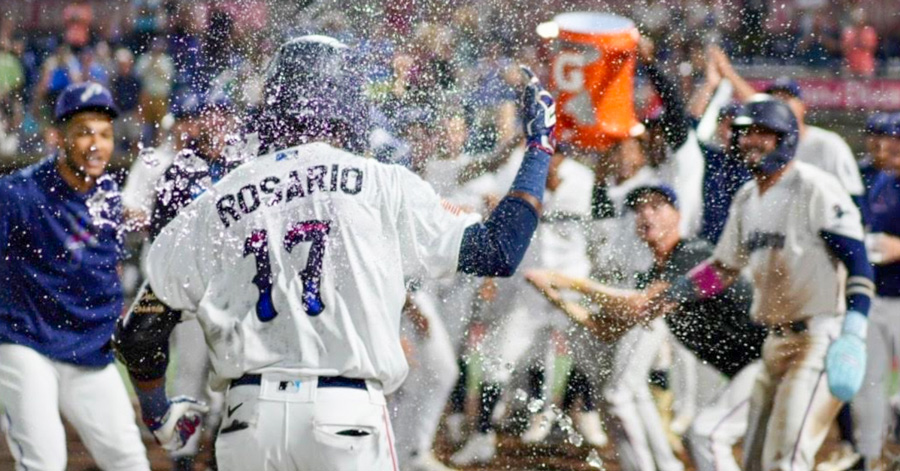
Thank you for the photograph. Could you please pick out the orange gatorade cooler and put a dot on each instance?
(593, 60)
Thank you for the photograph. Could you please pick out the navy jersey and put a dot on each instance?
(869, 174)
(723, 177)
(61, 293)
(884, 216)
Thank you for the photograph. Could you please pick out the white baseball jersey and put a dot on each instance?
(296, 262)
(140, 186)
(829, 152)
(777, 236)
(683, 172)
(562, 237)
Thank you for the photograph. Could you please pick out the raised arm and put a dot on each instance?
(742, 88)
(674, 117)
(497, 246)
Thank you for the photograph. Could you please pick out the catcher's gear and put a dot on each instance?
(774, 115)
(538, 113)
(845, 362)
(180, 422)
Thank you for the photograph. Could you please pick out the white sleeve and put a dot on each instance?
(688, 185)
(730, 251)
(140, 186)
(181, 258)
(430, 229)
(832, 210)
(845, 167)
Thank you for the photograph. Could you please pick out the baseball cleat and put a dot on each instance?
(539, 427)
(841, 459)
(590, 427)
(480, 449)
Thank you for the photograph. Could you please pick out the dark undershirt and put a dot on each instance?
(718, 330)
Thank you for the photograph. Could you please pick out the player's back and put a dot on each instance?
(305, 264)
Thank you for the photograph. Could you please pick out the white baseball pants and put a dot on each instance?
(638, 432)
(287, 423)
(791, 408)
(870, 406)
(717, 428)
(35, 390)
(418, 405)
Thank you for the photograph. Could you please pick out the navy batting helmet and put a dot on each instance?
(769, 113)
(878, 124)
(87, 96)
(313, 90)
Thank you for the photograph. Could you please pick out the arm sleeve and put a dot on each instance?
(860, 275)
(496, 247)
(674, 118)
(430, 229)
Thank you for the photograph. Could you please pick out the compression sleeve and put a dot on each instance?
(674, 118)
(532, 175)
(497, 246)
(860, 275)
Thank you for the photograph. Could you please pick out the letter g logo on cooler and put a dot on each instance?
(573, 63)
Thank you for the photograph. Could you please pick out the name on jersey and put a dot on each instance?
(273, 190)
(764, 240)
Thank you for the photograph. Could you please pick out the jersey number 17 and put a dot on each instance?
(257, 245)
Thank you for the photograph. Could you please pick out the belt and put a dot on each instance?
(795, 327)
(324, 382)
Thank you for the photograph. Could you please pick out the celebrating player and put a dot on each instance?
(790, 226)
(308, 344)
(61, 297)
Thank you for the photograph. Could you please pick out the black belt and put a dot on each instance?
(795, 327)
(324, 382)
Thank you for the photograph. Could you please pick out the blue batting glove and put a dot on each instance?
(538, 114)
(845, 362)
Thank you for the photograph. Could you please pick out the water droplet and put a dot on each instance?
(594, 461)
(535, 405)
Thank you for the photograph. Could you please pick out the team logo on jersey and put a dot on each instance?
(764, 240)
(839, 211)
(80, 236)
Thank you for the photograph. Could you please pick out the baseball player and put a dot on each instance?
(61, 297)
(799, 234)
(307, 344)
(820, 147)
(883, 208)
(200, 163)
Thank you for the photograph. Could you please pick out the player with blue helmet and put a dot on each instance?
(792, 226)
(61, 297)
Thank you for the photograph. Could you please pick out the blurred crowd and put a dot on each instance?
(155, 54)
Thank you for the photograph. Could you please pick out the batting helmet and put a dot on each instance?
(878, 124)
(87, 96)
(774, 115)
(313, 90)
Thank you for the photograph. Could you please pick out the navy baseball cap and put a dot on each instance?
(893, 127)
(879, 124)
(785, 85)
(639, 195)
(87, 96)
